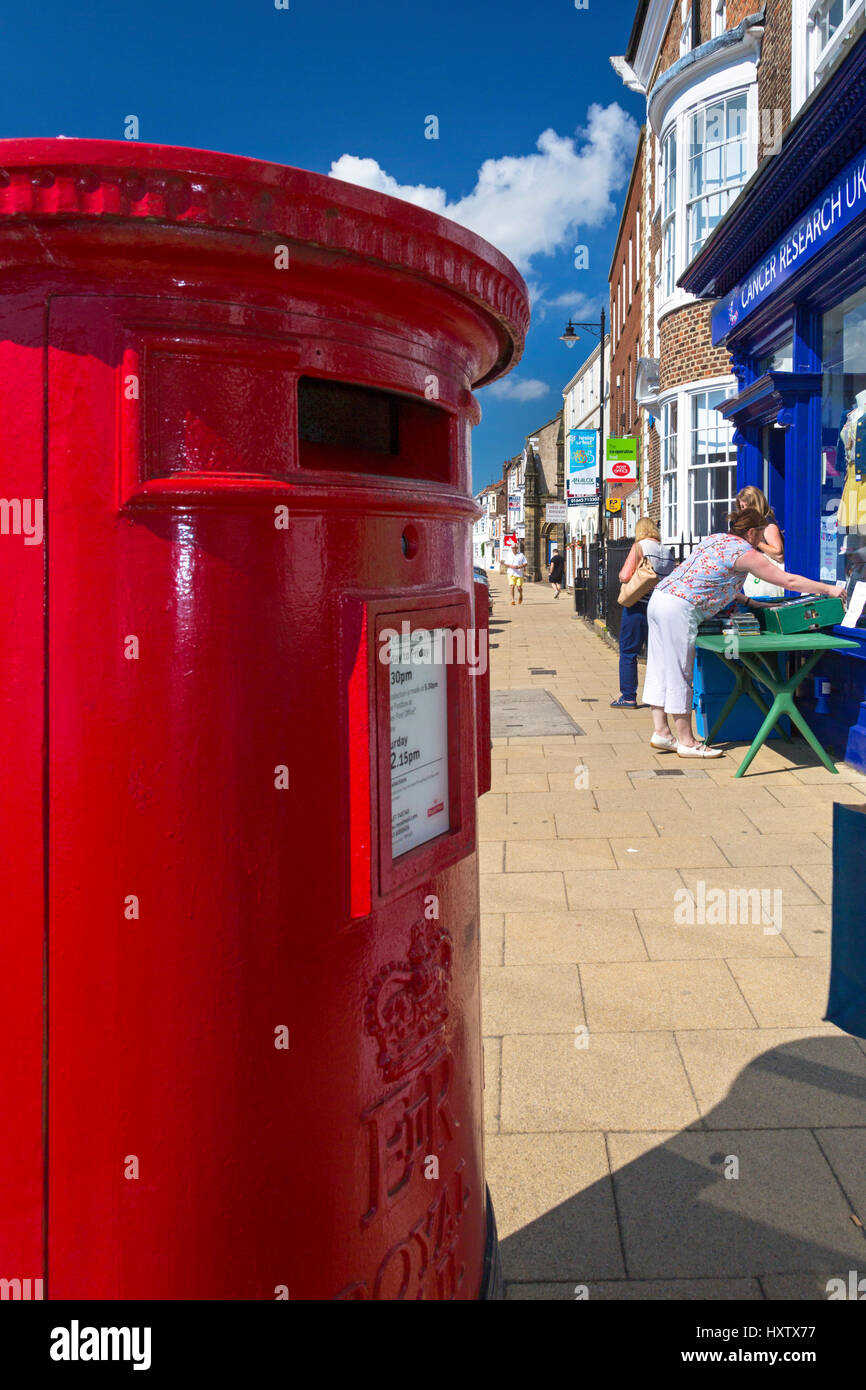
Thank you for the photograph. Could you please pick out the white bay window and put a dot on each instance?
(718, 158)
(706, 158)
(670, 474)
(698, 462)
(669, 210)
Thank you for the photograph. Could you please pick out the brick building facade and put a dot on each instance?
(708, 71)
(686, 352)
(626, 285)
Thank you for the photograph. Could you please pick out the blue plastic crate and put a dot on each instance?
(714, 681)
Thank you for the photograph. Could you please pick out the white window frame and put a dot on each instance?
(686, 42)
(728, 191)
(720, 18)
(822, 53)
(724, 433)
(669, 181)
(810, 59)
(718, 71)
(677, 515)
(669, 470)
(676, 197)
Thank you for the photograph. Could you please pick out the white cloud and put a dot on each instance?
(577, 302)
(528, 205)
(573, 304)
(370, 174)
(511, 388)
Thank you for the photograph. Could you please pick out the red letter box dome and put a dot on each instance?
(244, 692)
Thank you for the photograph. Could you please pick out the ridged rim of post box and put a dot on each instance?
(59, 178)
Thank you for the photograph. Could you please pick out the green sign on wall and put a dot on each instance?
(620, 460)
(622, 450)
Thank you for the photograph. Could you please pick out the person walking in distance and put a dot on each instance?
(706, 582)
(516, 566)
(556, 572)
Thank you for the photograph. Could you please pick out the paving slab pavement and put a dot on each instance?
(667, 1114)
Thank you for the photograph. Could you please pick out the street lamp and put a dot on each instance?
(570, 337)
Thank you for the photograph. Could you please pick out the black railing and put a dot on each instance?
(590, 601)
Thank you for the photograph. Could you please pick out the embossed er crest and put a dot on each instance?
(407, 1003)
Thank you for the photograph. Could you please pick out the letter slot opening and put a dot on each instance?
(354, 429)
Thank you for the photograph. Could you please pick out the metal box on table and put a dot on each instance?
(801, 614)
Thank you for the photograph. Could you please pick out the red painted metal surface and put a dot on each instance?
(199, 616)
(482, 687)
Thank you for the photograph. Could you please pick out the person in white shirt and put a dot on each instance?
(516, 566)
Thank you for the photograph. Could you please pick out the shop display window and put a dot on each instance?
(781, 359)
(843, 443)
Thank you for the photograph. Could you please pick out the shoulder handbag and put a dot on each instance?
(642, 582)
(753, 587)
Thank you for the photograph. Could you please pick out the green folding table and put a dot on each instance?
(758, 656)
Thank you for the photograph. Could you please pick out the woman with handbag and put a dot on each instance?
(646, 563)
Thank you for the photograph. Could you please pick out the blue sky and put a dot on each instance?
(331, 83)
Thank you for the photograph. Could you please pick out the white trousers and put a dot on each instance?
(670, 660)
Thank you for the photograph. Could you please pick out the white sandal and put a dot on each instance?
(663, 743)
(698, 750)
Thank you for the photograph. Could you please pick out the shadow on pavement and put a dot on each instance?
(765, 1189)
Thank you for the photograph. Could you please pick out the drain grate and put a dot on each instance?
(641, 773)
(529, 714)
(540, 671)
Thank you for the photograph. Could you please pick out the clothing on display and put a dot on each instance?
(852, 506)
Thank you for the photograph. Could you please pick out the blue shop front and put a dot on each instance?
(787, 266)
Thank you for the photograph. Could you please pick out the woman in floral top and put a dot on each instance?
(705, 583)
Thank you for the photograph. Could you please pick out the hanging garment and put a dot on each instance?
(852, 505)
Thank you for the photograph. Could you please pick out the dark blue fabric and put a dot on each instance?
(632, 636)
(846, 1006)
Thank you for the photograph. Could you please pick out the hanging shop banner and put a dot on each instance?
(582, 481)
(620, 460)
(833, 210)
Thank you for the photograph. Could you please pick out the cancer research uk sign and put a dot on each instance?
(832, 211)
(582, 481)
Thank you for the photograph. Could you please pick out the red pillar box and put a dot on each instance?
(238, 876)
